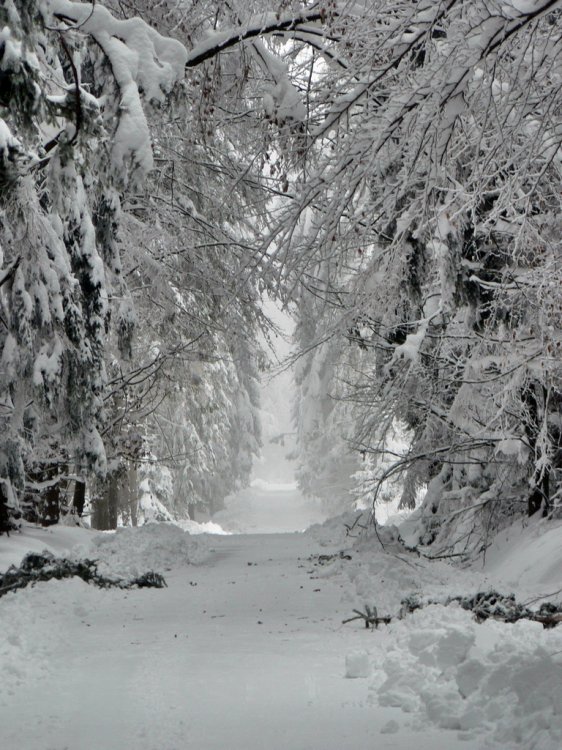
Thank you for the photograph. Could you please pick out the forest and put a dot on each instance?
(389, 173)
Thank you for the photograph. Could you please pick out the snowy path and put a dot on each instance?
(266, 508)
(244, 651)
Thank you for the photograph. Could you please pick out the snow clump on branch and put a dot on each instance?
(142, 61)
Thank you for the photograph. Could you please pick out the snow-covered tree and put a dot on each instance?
(78, 82)
(73, 137)
(429, 198)
(399, 164)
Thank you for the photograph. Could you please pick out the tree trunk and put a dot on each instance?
(99, 511)
(133, 494)
(79, 498)
(106, 504)
(534, 397)
(113, 501)
(5, 524)
(50, 505)
(42, 499)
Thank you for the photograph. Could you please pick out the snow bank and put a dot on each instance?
(527, 556)
(32, 619)
(340, 530)
(488, 681)
(127, 552)
(207, 527)
(58, 539)
(494, 684)
(154, 546)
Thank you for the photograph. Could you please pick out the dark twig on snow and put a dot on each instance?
(543, 596)
(370, 617)
(350, 527)
(443, 557)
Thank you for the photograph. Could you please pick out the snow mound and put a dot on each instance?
(373, 574)
(207, 527)
(527, 555)
(487, 681)
(155, 546)
(58, 539)
(339, 530)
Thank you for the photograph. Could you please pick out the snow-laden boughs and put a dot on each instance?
(80, 76)
(400, 163)
(140, 60)
(72, 135)
(430, 200)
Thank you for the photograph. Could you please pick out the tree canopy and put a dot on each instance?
(390, 172)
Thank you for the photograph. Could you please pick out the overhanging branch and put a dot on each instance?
(222, 41)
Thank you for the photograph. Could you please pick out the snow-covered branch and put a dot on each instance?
(141, 60)
(268, 23)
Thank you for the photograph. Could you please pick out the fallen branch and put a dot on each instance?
(350, 527)
(324, 559)
(45, 566)
(484, 605)
(370, 617)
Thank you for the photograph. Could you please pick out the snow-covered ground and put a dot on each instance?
(246, 649)
(492, 684)
(269, 508)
